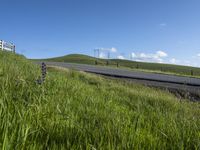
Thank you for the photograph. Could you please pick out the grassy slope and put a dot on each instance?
(80, 111)
(84, 59)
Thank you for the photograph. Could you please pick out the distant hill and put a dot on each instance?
(84, 59)
(75, 58)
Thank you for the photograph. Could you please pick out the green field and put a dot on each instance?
(155, 67)
(74, 110)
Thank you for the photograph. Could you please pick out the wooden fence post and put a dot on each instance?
(137, 66)
(117, 64)
(107, 63)
(192, 73)
(96, 63)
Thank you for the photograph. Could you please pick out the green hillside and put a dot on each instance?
(74, 110)
(157, 67)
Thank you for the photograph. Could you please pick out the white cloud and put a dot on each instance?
(120, 57)
(113, 49)
(105, 52)
(156, 57)
(133, 55)
(163, 24)
(162, 57)
(102, 55)
(188, 63)
(161, 54)
(174, 61)
(182, 62)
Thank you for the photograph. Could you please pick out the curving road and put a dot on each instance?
(186, 84)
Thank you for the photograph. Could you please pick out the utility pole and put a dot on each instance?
(98, 53)
(94, 52)
(131, 57)
(108, 55)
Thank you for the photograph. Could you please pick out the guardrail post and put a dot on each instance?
(2, 45)
(14, 48)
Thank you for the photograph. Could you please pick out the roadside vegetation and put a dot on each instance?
(75, 110)
(127, 64)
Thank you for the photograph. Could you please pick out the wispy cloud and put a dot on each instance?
(160, 56)
(102, 55)
(162, 24)
(112, 49)
(120, 57)
(105, 52)
(182, 62)
(174, 61)
(156, 57)
(163, 57)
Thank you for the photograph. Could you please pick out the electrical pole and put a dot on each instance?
(94, 52)
(98, 53)
(108, 55)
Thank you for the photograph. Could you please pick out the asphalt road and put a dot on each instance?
(185, 84)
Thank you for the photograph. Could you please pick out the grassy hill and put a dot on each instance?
(74, 110)
(157, 67)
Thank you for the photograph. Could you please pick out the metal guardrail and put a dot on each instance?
(7, 46)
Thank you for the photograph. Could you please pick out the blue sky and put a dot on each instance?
(165, 31)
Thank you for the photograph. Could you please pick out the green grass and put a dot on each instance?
(155, 67)
(74, 110)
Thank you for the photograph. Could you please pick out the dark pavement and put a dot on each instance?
(172, 82)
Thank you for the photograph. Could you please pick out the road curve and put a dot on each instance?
(187, 84)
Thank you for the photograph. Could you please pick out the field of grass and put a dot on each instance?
(75, 110)
(155, 67)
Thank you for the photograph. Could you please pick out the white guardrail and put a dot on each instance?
(7, 46)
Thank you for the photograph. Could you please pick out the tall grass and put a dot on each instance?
(74, 110)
